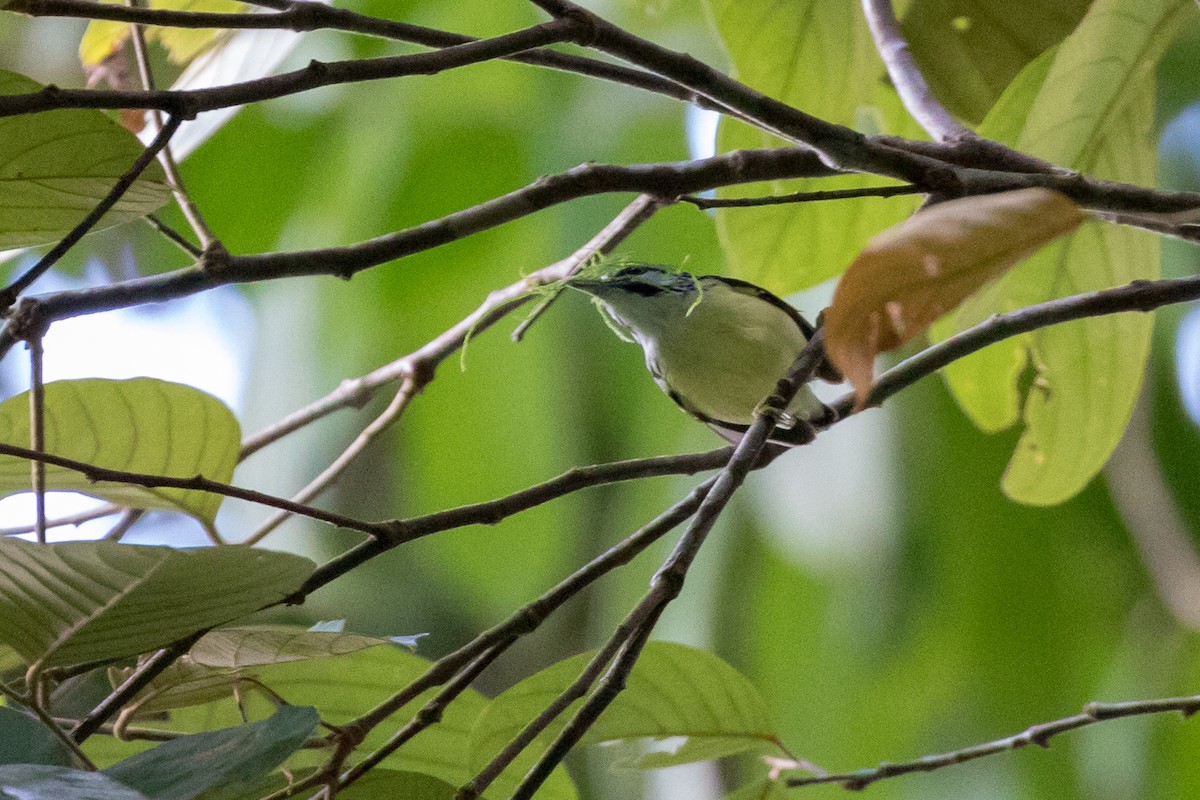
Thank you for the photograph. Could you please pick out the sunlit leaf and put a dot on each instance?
(25, 740)
(183, 768)
(342, 689)
(92, 601)
(819, 57)
(241, 56)
(387, 784)
(42, 782)
(674, 690)
(1093, 111)
(913, 273)
(969, 53)
(103, 37)
(140, 425)
(57, 166)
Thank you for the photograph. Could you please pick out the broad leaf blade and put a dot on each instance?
(25, 740)
(56, 166)
(916, 271)
(674, 690)
(92, 601)
(819, 57)
(140, 425)
(183, 768)
(969, 53)
(1093, 112)
(103, 37)
(41, 782)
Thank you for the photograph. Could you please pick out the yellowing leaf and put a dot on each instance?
(914, 272)
(103, 37)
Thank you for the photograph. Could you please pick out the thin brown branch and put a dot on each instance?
(669, 179)
(303, 16)
(9, 295)
(51, 725)
(906, 76)
(73, 519)
(418, 368)
(1040, 735)
(626, 644)
(381, 423)
(37, 434)
(1141, 296)
(200, 484)
(528, 618)
(187, 103)
(799, 197)
(173, 236)
(174, 179)
(493, 511)
(139, 679)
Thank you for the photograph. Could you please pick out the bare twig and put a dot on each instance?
(1136, 296)
(192, 214)
(147, 671)
(187, 103)
(418, 368)
(73, 519)
(51, 724)
(37, 434)
(201, 484)
(173, 235)
(624, 647)
(305, 16)
(9, 295)
(799, 197)
(1144, 501)
(395, 408)
(531, 616)
(1040, 735)
(906, 76)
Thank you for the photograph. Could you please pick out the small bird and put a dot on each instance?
(717, 346)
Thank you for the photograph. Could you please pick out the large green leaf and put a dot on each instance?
(56, 166)
(818, 56)
(183, 768)
(216, 664)
(674, 690)
(92, 601)
(1089, 108)
(25, 740)
(140, 425)
(969, 52)
(343, 688)
(103, 37)
(41, 782)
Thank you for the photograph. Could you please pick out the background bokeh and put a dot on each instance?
(881, 591)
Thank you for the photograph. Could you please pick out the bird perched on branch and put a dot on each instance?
(717, 346)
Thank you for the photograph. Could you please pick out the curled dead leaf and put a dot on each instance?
(912, 273)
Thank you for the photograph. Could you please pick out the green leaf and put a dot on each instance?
(183, 768)
(819, 57)
(215, 664)
(103, 37)
(41, 782)
(140, 425)
(25, 740)
(56, 166)
(674, 690)
(1090, 108)
(969, 53)
(92, 601)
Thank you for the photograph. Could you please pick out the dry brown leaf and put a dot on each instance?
(912, 273)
